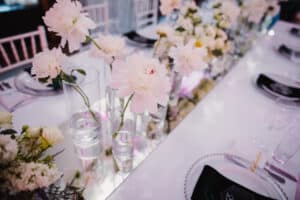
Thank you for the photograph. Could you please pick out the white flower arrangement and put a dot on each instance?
(24, 167)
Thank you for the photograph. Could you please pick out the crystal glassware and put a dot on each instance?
(156, 124)
(123, 150)
(289, 144)
(175, 89)
(83, 103)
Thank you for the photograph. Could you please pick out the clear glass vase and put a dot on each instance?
(123, 150)
(175, 89)
(84, 109)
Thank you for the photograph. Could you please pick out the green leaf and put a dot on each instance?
(180, 29)
(43, 80)
(217, 5)
(56, 83)
(24, 128)
(217, 52)
(68, 78)
(81, 71)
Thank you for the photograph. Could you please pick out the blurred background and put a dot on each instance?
(20, 16)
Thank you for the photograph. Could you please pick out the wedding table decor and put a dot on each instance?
(122, 104)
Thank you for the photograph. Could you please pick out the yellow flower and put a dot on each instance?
(198, 44)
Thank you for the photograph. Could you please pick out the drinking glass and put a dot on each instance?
(83, 105)
(123, 150)
(156, 124)
(288, 145)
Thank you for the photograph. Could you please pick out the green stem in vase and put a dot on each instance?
(86, 101)
(122, 116)
(89, 38)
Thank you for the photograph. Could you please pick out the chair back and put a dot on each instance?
(99, 13)
(146, 12)
(18, 50)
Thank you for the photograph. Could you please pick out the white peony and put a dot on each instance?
(47, 64)
(33, 131)
(8, 149)
(185, 23)
(188, 58)
(67, 20)
(52, 135)
(112, 47)
(30, 176)
(167, 6)
(5, 120)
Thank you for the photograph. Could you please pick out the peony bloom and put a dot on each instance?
(185, 23)
(8, 149)
(188, 58)
(144, 77)
(167, 6)
(67, 21)
(47, 64)
(30, 176)
(52, 135)
(112, 47)
(5, 120)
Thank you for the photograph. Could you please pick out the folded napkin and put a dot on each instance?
(286, 91)
(212, 185)
(134, 36)
(295, 31)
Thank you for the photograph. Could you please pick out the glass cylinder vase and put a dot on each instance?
(84, 109)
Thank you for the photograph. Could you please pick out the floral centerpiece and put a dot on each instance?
(25, 168)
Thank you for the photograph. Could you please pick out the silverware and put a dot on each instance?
(282, 172)
(246, 164)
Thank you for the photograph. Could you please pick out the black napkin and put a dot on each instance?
(134, 36)
(295, 31)
(212, 185)
(278, 89)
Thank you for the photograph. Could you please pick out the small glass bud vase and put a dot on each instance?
(83, 107)
(175, 89)
(123, 150)
(155, 130)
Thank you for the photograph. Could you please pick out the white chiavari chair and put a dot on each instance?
(99, 13)
(18, 50)
(146, 12)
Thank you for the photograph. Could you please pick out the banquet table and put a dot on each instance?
(228, 119)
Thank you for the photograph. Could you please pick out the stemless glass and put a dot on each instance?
(175, 89)
(289, 145)
(123, 150)
(83, 103)
(156, 124)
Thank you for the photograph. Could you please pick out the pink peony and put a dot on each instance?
(48, 63)
(112, 47)
(67, 21)
(144, 77)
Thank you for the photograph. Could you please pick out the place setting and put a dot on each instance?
(123, 78)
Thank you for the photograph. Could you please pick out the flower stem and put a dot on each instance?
(89, 38)
(86, 101)
(123, 114)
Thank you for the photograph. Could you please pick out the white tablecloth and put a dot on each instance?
(227, 120)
